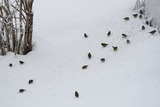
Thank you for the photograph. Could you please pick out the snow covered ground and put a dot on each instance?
(130, 77)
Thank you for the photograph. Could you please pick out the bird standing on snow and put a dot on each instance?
(76, 94)
(115, 48)
(21, 90)
(143, 28)
(141, 11)
(21, 62)
(10, 65)
(126, 18)
(103, 60)
(140, 16)
(84, 67)
(128, 41)
(152, 32)
(124, 35)
(30, 81)
(89, 55)
(135, 15)
(85, 35)
(104, 44)
(109, 33)
(147, 22)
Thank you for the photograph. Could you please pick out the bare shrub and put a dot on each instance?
(16, 26)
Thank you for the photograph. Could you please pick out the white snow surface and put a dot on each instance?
(130, 77)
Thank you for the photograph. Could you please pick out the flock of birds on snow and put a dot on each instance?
(115, 48)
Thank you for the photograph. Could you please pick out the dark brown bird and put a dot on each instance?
(84, 67)
(104, 44)
(85, 35)
(126, 18)
(89, 55)
(124, 35)
(141, 12)
(30, 81)
(21, 90)
(76, 94)
(128, 41)
(10, 65)
(103, 59)
(152, 32)
(21, 62)
(143, 28)
(115, 48)
(135, 15)
(147, 22)
(109, 33)
(140, 16)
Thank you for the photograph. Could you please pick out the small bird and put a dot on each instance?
(128, 41)
(76, 94)
(104, 44)
(21, 90)
(135, 15)
(103, 59)
(147, 22)
(84, 67)
(140, 16)
(109, 33)
(124, 35)
(85, 35)
(152, 32)
(115, 48)
(143, 28)
(30, 81)
(21, 62)
(89, 55)
(10, 65)
(141, 11)
(126, 18)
